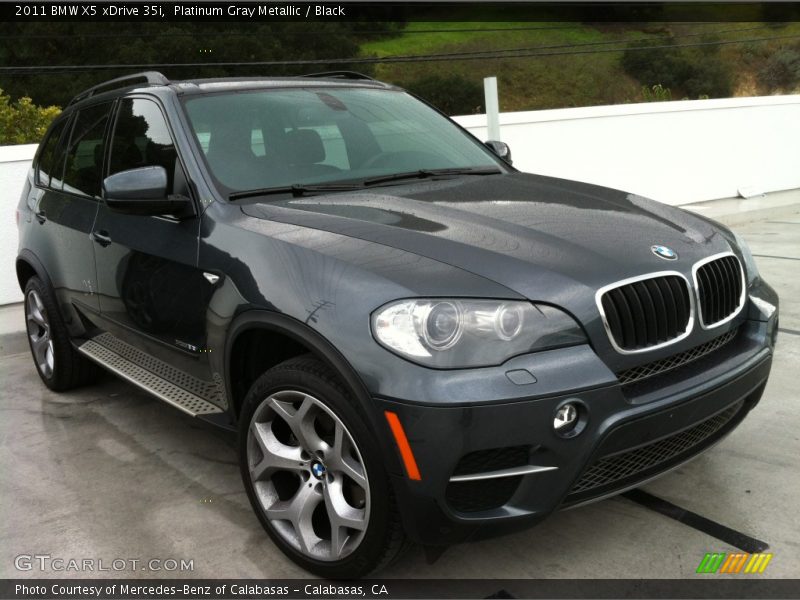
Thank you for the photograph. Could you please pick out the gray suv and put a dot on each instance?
(413, 340)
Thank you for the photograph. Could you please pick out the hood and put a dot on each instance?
(550, 240)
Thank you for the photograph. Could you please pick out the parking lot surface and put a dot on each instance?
(108, 472)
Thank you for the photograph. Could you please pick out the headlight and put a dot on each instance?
(751, 270)
(471, 333)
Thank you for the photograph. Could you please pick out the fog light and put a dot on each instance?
(565, 418)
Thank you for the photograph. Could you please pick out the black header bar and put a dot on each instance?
(243, 11)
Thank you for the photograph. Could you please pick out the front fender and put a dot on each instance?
(326, 352)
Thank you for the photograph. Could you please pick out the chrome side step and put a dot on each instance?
(175, 387)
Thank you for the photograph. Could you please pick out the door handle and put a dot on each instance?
(40, 216)
(101, 237)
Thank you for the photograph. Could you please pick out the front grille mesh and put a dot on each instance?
(719, 288)
(673, 362)
(647, 312)
(612, 469)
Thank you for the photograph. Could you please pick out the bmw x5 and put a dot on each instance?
(413, 340)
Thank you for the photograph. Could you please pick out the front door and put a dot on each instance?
(152, 295)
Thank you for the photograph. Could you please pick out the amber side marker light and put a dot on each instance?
(402, 444)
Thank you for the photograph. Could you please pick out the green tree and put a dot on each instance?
(452, 94)
(91, 43)
(656, 93)
(22, 122)
(782, 69)
(695, 71)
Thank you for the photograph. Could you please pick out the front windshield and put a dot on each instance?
(284, 137)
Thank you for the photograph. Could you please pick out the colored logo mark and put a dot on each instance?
(664, 252)
(721, 562)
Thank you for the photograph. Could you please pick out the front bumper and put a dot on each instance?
(632, 434)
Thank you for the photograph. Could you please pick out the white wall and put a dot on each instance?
(15, 161)
(675, 152)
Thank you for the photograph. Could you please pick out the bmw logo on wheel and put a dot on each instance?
(318, 470)
(664, 252)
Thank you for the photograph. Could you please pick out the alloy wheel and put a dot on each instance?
(308, 475)
(39, 334)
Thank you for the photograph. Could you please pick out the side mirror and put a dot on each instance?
(501, 149)
(143, 191)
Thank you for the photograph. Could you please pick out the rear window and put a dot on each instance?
(84, 161)
(45, 168)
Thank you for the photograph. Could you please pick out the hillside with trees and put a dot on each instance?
(567, 65)
(539, 65)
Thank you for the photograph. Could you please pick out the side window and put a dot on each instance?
(84, 161)
(45, 170)
(142, 139)
(59, 156)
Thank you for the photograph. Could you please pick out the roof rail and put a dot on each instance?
(341, 75)
(149, 77)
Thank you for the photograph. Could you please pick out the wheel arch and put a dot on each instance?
(304, 337)
(28, 265)
(317, 345)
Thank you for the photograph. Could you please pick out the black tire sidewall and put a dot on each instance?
(62, 348)
(373, 547)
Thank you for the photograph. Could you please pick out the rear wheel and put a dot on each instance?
(313, 475)
(59, 365)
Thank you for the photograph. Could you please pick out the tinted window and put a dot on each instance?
(45, 169)
(280, 137)
(333, 144)
(141, 139)
(84, 164)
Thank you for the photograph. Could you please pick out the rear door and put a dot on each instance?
(69, 174)
(152, 295)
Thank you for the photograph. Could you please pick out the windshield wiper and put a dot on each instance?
(298, 190)
(295, 190)
(426, 173)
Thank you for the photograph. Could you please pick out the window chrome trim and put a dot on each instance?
(742, 297)
(689, 325)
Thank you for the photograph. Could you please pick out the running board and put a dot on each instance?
(173, 386)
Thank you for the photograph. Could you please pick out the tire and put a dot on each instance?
(59, 365)
(320, 453)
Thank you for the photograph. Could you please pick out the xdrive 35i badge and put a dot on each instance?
(664, 252)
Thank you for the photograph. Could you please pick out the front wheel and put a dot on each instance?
(312, 472)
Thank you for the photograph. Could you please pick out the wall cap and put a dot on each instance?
(18, 153)
(619, 110)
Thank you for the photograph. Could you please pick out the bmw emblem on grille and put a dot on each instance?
(664, 252)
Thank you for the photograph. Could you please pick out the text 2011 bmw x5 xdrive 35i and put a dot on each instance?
(413, 339)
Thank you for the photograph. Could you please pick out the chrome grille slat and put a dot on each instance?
(647, 312)
(720, 287)
(654, 310)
